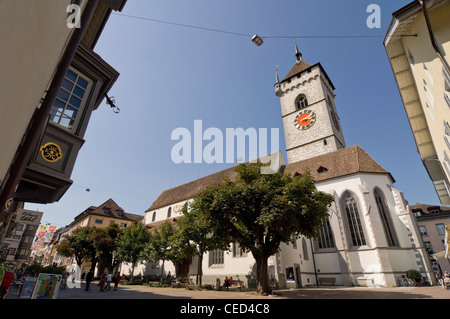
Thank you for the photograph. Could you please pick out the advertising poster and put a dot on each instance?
(47, 286)
(27, 288)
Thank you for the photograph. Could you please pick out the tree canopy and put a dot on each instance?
(132, 244)
(261, 211)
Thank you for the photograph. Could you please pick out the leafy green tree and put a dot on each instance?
(166, 243)
(131, 246)
(414, 275)
(78, 244)
(197, 230)
(160, 244)
(105, 242)
(34, 269)
(261, 211)
(181, 247)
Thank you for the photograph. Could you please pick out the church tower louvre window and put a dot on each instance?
(301, 102)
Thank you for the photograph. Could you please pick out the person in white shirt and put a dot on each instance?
(108, 281)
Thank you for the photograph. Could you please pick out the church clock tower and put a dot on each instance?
(310, 120)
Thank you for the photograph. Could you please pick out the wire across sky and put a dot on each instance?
(250, 35)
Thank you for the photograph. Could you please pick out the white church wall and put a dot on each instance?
(328, 266)
(162, 213)
(297, 260)
(373, 263)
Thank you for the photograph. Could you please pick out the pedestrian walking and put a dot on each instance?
(116, 280)
(89, 277)
(446, 280)
(64, 280)
(108, 281)
(102, 282)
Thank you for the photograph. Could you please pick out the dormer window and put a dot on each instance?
(322, 169)
(119, 213)
(107, 211)
(301, 102)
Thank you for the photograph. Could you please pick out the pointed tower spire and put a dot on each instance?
(277, 85)
(298, 55)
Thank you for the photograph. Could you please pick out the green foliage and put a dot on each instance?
(160, 244)
(34, 269)
(53, 270)
(77, 244)
(105, 242)
(96, 244)
(261, 211)
(131, 245)
(414, 275)
(37, 268)
(158, 285)
(167, 243)
(195, 230)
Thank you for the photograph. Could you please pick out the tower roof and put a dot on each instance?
(303, 66)
(297, 68)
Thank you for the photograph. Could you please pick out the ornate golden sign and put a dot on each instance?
(51, 152)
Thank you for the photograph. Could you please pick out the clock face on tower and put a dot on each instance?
(305, 119)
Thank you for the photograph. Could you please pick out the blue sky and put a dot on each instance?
(172, 75)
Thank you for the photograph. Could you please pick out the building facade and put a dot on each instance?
(20, 237)
(417, 45)
(433, 222)
(51, 82)
(369, 238)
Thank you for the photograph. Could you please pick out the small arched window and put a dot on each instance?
(305, 250)
(169, 212)
(154, 216)
(301, 102)
(354, 220)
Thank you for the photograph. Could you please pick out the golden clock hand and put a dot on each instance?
(306, 118)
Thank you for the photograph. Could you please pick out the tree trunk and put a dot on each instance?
(94, 261)
(133, 264)
(162, 272)
(200, 269)
(262, 275)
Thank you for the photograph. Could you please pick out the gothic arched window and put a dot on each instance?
(385, 217)
(154, 216)
(301, 102)
(354, 220)
(169, 212)
(326, 238)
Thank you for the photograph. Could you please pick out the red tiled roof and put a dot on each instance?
(346, 161)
